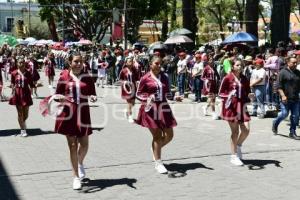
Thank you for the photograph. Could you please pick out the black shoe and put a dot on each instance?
(274, 129)
(294, 136)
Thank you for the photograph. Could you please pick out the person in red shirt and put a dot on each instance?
(49, 64)
(74, 122)
(31, 66)
(235, 92)
(155, 112)
(21, 84)
(129, 78)
(209, 78)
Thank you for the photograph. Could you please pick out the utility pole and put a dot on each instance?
(29, 15)
(63, 22)
(12, 16)
(125, 25)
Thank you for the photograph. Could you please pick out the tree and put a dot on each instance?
(173, 14)
(240, 8)
(92, 18)
(217, 11)
(280, 21)
(48, 14)
(252, 8)
(140, 10)
(190, 20)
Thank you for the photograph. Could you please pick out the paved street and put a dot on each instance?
(119, 163)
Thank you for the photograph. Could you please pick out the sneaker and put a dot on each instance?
(239, 153)
(204, 108)
(294, 136)
(76, 183)
(274, 129)
(236, 160)
(81, 171)
(23, 133)
(130, 119)
(159, 166)
(215, 116)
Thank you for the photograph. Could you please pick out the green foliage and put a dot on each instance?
(92, 18)
(39, 33)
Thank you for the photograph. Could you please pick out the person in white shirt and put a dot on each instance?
(196, 73)
(257, 84)
(181, 72)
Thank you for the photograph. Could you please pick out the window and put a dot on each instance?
(9, 24)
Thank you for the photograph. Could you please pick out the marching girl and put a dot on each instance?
(21, 82)
(85, 64)
(129, 78)
(235, 92)
(209, 78)
(31, 66)
(155, 112)
(50, 65)
(11, 63)
(74, 122)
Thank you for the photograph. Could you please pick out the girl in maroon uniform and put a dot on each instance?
(86, 65)
(235, 92)
(49, 64)
(21, 82)
(12, 62)
(74, 122)
(129, 78)
(209, 78)
(31, 66)
(155, 112)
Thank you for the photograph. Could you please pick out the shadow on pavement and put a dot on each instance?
(260, 164)
(7, 190)
(286, 136)
(90, 186)
(179, 170)
(97, 128)
(31, 132)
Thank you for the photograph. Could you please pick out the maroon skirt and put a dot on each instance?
(210, 88)
(22, 97)
(236, 112)
(74, 122)
(125, 89)
(35, 75)
(50, 71)
(159, 116)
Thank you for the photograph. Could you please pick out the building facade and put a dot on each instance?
(11, 12)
